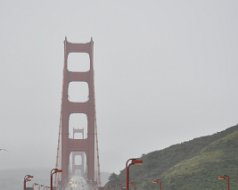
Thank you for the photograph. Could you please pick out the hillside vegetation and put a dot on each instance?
(191, 165)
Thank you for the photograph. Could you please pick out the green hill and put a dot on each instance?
(191, 165)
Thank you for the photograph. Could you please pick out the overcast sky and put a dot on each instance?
(165, 73)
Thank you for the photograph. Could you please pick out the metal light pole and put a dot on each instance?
(26, 179)
(227, 178)
(129, 162)
(52, 172)
(158, 181)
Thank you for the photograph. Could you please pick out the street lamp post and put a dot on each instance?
(129, 162)
(52, 172)
(158, 181)
(227, 178)
(26, 179)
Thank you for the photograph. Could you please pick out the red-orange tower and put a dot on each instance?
(67, 145)
(78, 167)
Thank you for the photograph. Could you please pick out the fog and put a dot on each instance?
(165, 73)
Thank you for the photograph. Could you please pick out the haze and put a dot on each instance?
(165, 73)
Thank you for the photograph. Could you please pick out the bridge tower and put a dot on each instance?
(78, 168)
(69, 147)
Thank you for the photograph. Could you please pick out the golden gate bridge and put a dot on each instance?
(77, 160)
(77, 155)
